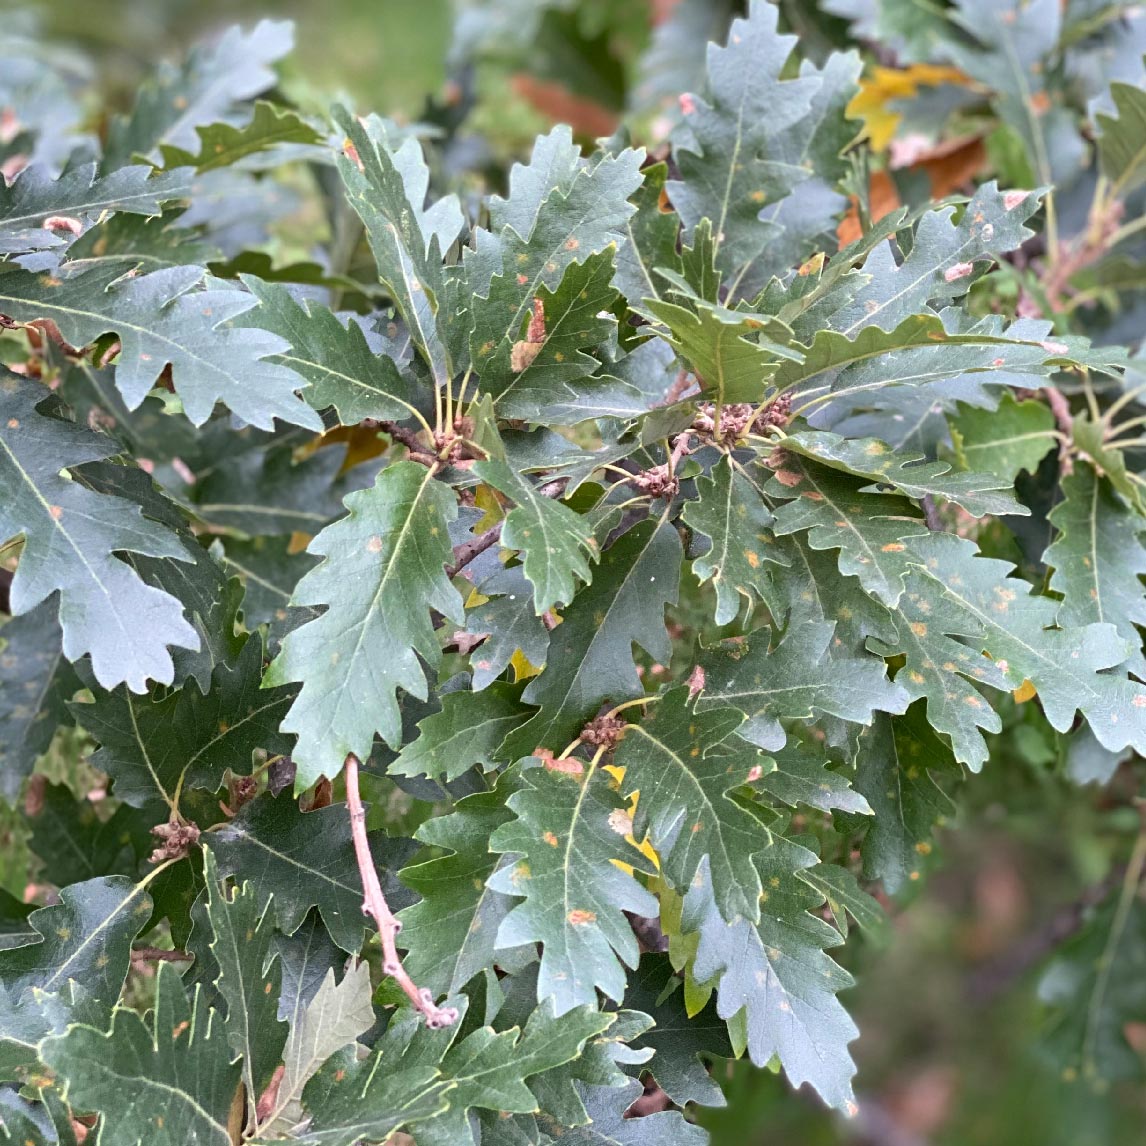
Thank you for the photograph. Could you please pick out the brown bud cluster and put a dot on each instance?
(657, 482)
(603, 731)
(175, 841)
(736, 419)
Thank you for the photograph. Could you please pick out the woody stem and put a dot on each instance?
(374, 904)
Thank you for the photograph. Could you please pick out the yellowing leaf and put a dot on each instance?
(1025, 691)
(883, 85)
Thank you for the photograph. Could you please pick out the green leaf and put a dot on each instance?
(778, 973)
(69, 536)
(684, 807)
(509, 623)
(725, 349)
(1014, 437)
(844, 897)
(919, 352)
(484, 1070)
(940, 264)
(529, 378)
(1121, 146)
(867, 528)
(805, 220)
(626, 389)
(86, 938)
(163, 319)
(270, 572)
(1095, 996)
(158, 747)
(170, 1082)
(898, 761)
(304, 859)
(466, 732)
(336, 1017)
(730, 150)
(491, 1069)
(1090, 440)
(599, 1064)
(794, 680)
(650, 240)
(249, 978)
(607, 1106)
(556, 544)
(678, 1038)
(387, 187)
(36, 683)
(333, 356)
(204, 89)
(590, 657)
(80, 193)
(451, 935)
(305, 958)
(210, 599)
(733, 516)
(808, 590)
(1098, 559)
(979, 494)
(253, 485)
(799, 774)
(954, 592)
(383, 573)
(73, 843)
(569, 832)
(221, 144)
(561, 211)
(1012, 44)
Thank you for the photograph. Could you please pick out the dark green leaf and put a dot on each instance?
(570, 828)
(163, 319)
(556, 544)
(69, 535)
(590, 657)
(169, 1082)
(304, 860)
(384, 571)
(36, 683)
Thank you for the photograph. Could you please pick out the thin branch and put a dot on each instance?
(466, 552)
(1060, 407)
(419, 452)
(374, 904)
(160, 955)
(931, 513)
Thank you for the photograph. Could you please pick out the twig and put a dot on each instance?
(931, 513)
(1060, 407)
(374, 904)
(409, 438)
(466, 552)
(160, 955)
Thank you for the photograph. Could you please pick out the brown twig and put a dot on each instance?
(466, 552)
(374, 904)
(418, 450)
(160, 955)
(931, 513)
(1060, 407)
